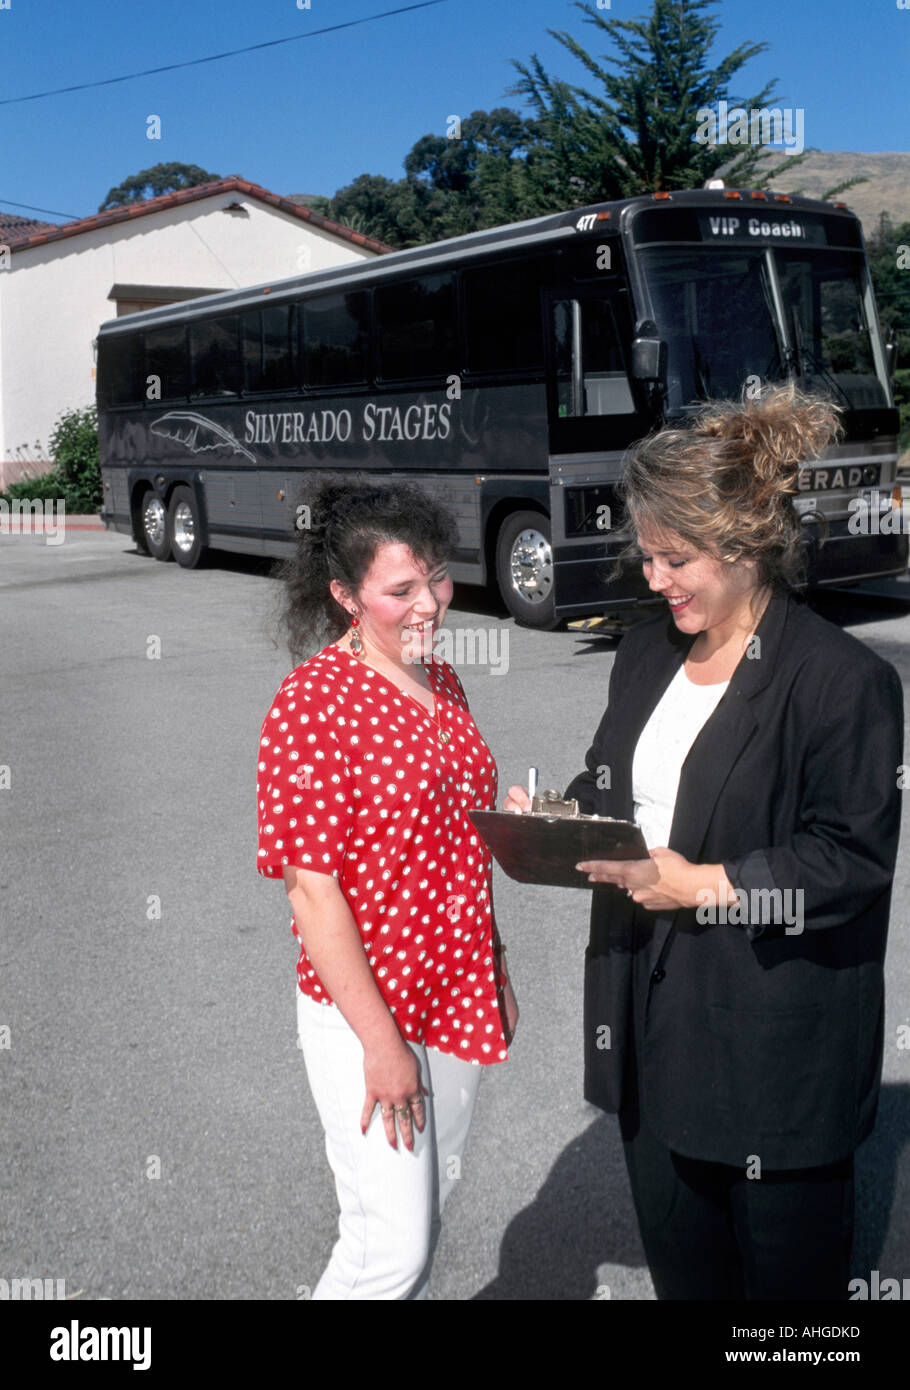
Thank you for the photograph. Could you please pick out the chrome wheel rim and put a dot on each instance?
(184, 527)
(154, 520)
(531, 566)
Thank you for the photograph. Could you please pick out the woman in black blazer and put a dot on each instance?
(734, 981)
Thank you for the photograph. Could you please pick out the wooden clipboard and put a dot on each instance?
(545, 849)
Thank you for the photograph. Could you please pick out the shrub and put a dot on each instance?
(74, 448)
(76, 476)
(42, 488)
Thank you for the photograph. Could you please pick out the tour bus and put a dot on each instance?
(507, 371)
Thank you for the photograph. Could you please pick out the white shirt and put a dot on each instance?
(661, 751)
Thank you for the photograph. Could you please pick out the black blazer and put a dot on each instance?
(760, 1039)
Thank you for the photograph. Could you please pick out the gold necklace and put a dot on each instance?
(359, 652)
(444, 736)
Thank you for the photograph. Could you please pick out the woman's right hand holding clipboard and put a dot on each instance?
(642, 880)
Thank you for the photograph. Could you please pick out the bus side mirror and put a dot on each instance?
(649, 353)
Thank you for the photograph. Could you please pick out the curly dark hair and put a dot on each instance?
(726, 481)
(350, 517)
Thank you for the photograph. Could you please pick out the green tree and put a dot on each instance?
(390, 210)
(151, 183)
(483, 162)
(641, 132)
(454, 161)
(474, 176)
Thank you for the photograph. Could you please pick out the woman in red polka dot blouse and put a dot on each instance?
(369, 763)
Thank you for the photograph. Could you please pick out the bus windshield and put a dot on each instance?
(716, 310)
(829, 328)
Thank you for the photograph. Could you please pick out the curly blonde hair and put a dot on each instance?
(724, 483)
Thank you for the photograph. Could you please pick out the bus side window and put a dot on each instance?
(268, 349)
(416, 328)
(213, 357)
(590, 372)
(120, 363)
(334, 341)
(167, 359)
(503, 322)
(251, 351)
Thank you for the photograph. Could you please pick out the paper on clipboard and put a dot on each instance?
(545, 849)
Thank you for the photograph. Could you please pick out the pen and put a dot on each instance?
(532, 783)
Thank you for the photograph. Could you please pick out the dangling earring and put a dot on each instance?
(356, 641)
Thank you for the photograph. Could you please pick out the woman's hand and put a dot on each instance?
(517, 800)
(661, 883)
(392, 1076)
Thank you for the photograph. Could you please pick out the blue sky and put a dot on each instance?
(310, 116)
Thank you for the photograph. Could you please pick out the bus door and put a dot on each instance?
(593, 416)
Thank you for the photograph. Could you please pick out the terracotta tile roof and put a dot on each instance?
(13, 227)
(45, 233)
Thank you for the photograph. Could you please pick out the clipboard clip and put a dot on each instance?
(550, 803)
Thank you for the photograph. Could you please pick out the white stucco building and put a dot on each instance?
(58, 284)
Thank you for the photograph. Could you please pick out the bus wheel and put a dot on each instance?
(524, 569)
(186, 538)
(155, 537)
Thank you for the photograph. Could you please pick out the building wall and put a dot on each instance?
(54, 298)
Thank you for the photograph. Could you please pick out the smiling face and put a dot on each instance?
(401, 604)
(703, 594)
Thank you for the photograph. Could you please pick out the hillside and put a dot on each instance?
(887, 189)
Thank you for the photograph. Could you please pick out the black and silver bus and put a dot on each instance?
(507, 371)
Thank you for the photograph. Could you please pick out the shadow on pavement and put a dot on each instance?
(583, 1217)
(878, 1172)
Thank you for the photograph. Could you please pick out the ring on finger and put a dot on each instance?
(402, 1109)
(390, 1111)
(413, 1104)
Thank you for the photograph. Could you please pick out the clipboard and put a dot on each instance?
(537, 848)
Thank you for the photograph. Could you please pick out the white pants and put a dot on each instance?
(391, 1199)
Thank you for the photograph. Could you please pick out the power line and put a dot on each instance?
(73, 217)
(216, 57)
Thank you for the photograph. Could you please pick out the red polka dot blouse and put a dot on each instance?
(356, 781)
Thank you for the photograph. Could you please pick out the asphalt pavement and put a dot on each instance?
(158, 1138)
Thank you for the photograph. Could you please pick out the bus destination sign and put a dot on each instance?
(751, 227)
